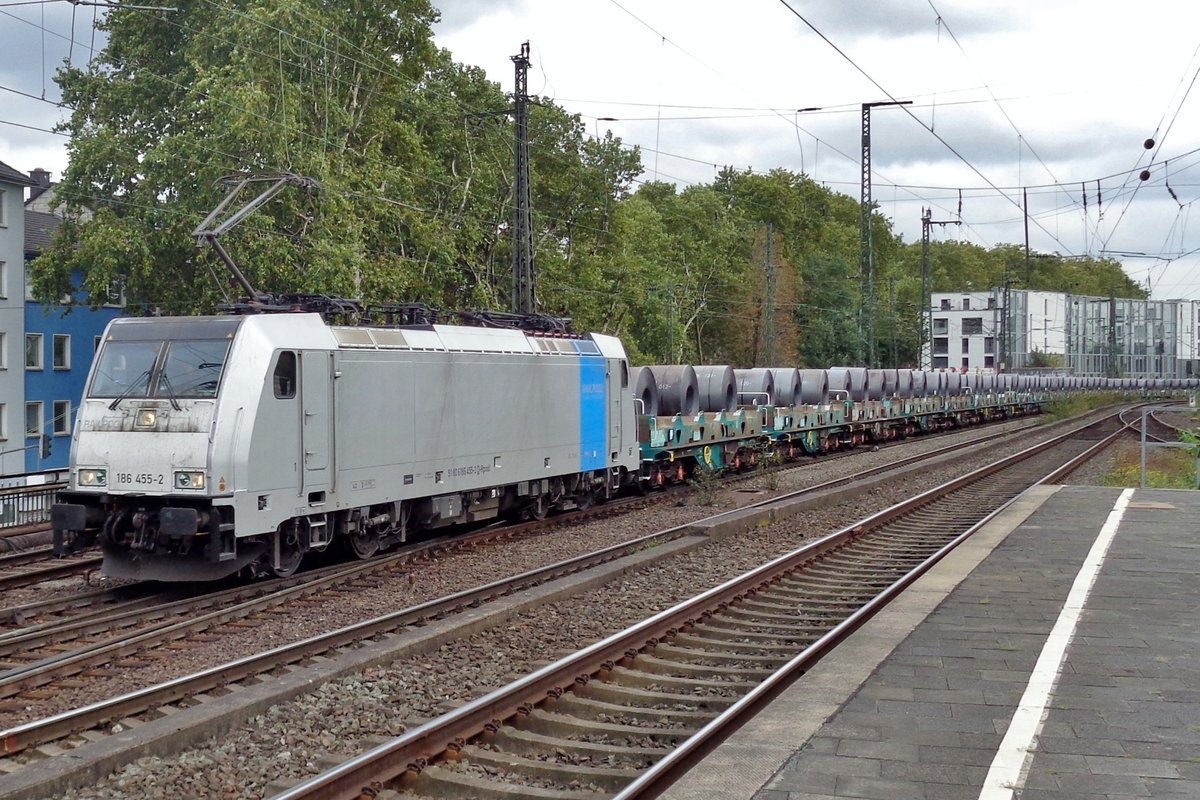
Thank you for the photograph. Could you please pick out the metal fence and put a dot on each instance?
(27, 505)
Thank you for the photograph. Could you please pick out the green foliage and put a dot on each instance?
(1040, 360)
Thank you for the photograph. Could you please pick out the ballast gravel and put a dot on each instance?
(343, 716)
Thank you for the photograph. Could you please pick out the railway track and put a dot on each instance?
(626, 715)
(30, 567)
(1158, 427)
(67, 667)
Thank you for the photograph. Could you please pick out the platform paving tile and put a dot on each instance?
(1083, 747)
(1138, 728)
(879, 788)
(962, 775)
(890, 751)
(1170, 788)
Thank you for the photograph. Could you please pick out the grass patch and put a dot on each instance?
(1068, 407)
(1165, 469)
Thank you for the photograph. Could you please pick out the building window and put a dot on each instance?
(3, 279)
(941, 345)
(972, 326)
(3, 350)
(33, 351)
(116, 291)
(989, 361)
(966, 304)
(3, 203)
(940, 325)
(3, 421)
(966, 364)
(966, 345)
(940, 363)
(33, 419)
(991, 302)
(989, 344)
(62, 417)
(62, 351)
(946, 304)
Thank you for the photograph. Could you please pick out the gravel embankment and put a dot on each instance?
(340, 716)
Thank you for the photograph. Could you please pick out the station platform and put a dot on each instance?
(1054, 655)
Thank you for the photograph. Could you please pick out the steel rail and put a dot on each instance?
(408, 754)
(1075, 463)
(61, 568)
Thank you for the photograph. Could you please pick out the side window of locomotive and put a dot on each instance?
(284, 378)
(624, 375)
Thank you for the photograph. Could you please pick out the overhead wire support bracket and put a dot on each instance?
(210, 229)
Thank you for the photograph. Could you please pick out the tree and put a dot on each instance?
(412, 152)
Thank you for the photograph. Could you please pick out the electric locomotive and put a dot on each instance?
(208, 445)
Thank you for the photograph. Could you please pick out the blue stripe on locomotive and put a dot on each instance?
(593, 407)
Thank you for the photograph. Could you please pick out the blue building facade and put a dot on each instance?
(60, 342)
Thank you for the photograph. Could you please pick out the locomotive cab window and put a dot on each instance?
(168, 370)
(284, 377)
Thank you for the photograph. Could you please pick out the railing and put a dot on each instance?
(28, 505)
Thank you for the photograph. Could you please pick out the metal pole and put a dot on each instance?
(769, 303)
(1145, 412)
(866, 344)
(524, 297)
(926, 326)
(866, 256)
(1028, 263)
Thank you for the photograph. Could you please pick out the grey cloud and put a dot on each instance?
(31, 54)
(458, 14)
(841, 18)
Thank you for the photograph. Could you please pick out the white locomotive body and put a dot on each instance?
(204, 445)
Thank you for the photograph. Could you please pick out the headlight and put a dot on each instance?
(93, 477)
(147, 417)
(189, 480)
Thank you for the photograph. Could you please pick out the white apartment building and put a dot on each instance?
(964, 329)
(1118, 337)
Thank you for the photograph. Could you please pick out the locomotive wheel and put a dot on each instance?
(363, 544)
(538, 509)
(291, 553)
(585, 500)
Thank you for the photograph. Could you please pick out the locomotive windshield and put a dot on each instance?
(161, 369)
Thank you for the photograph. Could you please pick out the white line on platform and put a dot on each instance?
(1011, 764)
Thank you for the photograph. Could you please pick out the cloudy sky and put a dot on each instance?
(1052, 99)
